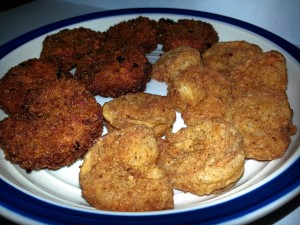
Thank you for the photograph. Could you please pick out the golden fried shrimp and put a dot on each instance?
(111, 74)
(226, 56)
(119, 173)
(187, 32)
(211, 106)
(154, 111)
(203, 158)
(268, 71)
(264, 118)
(67, 46)
(21, 80)
(195, 85)
(61, 122)
(140, 32)
(173, 62)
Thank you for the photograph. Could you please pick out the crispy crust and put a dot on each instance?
(173, 62)
(226, 56)
(21, 80)
(140, 32)
(203, 158)
(67, 46)
(264, 120)
(119, 173)
(196, 85)
(163, 26)
(111, 74)
(61, 122)
(210, 107)
(267, 71)
(154, 111)
(187, 32)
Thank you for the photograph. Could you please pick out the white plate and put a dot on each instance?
(55, 197)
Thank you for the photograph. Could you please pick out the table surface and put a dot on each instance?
(279, 17)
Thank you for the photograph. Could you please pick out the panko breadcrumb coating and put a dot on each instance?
(21, 80)
(264, 118)
(226, 56)
(267, 71)
(140, 32)
(203, 158)
(67, 46)
(119, 173)
(196, 85)
(186, 32)
(154, 111)
(114, 73)
(61, 122)
(173, 62)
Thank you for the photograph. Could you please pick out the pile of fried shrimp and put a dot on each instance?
(231, 96)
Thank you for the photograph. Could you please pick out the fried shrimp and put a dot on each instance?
(119, 173)
(226, 56)
(187, 32)
(212, 106)
(67, 46)
(173, 62)
(264, 120)
(114, 73)
(203, 158)
(154, 111)
(267, 71)
(21, 80)
(163, 26)
(140, 32)
(196, 85)
(61, 122)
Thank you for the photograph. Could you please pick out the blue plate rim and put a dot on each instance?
(38, 210)
(286, 184)
(16, 42)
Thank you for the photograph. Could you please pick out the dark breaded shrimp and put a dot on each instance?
(119, 173)
(163, 26)
(264, 118)
(203, 158)
(226, 56)
(67, 46)
(62, 121)
(114, 73)
(22, 79)
(140, 32)
(187, 32)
